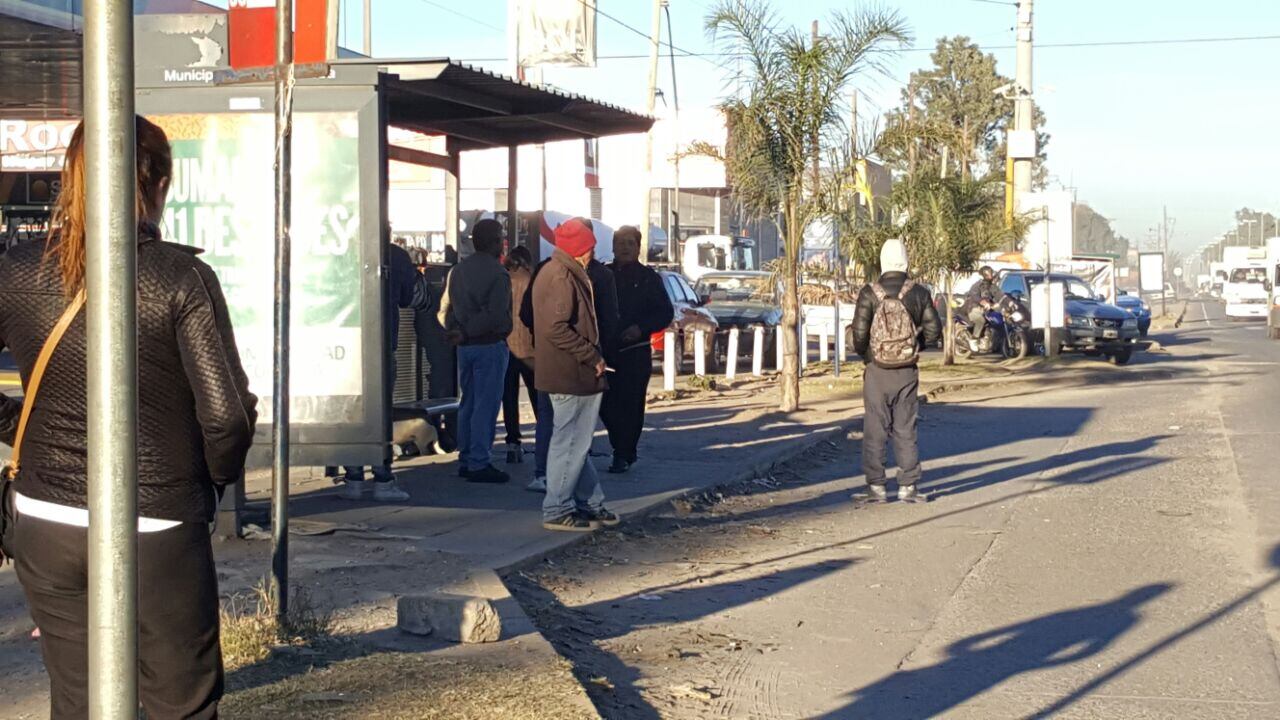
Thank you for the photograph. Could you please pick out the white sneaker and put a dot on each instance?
(389, 492)
(354, 489)
(537, 484)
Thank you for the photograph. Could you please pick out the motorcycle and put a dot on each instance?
(1006, 332)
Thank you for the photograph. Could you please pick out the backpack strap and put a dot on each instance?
(907, 286)
(878, 291)
(37, 374)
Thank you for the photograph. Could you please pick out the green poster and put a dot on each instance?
(223, 201)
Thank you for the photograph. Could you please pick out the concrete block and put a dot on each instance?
(457, 618)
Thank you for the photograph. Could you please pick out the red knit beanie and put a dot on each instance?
(575, 237)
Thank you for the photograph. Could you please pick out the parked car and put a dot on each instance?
(743, 299)
(1092, 326)
(689, 316)
(1140, 308)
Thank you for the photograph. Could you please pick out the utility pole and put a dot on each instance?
(673, 237)
(1164, 261)
(816, 140)
(1024, 108)
(111, 360)
(368, 28)
(280, 393)
(655, 39)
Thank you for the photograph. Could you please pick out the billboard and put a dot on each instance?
(1151, 272)
(222, 201)
(556, 32)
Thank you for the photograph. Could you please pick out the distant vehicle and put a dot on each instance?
(744, 300)
(1247, 291)
(717, 253)
(1092, 326)
(1273, 270)
(1140, 308)
(689, 316)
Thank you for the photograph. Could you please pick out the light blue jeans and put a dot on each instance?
(572, 483)
(482, 372)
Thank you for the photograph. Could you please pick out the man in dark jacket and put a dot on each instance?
(890, 402)
(984, 294)
(643, 309)
(407, 289)
(570, 368)
(478, 320)
(605, 300)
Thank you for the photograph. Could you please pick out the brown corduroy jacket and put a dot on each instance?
(566, 336)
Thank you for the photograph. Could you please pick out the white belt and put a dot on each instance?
(77, 517)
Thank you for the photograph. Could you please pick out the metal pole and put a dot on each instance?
(1023, 119)
(655, 38)
(673, 237)
(280, 395)
(1164, 257)
(111, 327)
(368, 30)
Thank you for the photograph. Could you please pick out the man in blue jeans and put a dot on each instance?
(478, 320)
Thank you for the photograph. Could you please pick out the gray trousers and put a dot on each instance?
(890, 409)
(572, 483)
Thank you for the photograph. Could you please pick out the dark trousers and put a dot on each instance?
(179, 656)
(623, 408)
(516, 370)
(890, 410)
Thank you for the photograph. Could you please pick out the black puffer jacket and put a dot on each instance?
(195, 412)
(917, 302)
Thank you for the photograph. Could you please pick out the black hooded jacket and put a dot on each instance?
(917, 302)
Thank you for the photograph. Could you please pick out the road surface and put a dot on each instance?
(1106, 551)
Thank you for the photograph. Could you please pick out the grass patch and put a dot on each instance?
(251, 629)
(397, 685)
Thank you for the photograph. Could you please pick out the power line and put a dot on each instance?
(464, 16)
(641, 33)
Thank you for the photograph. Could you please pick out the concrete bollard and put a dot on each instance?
(669, 361)
(731, 359)
(700, 352)
(842, 351)
(777, 347)
(804, 347)
(757, 353)
(823, 338)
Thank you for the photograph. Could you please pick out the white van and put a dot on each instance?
(1247, 291)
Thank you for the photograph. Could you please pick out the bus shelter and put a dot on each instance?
(221, 200)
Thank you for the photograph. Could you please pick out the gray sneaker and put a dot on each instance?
(538, 484)
(909, 494)
(875, 494)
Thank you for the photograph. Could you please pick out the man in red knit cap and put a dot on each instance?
(570, 368)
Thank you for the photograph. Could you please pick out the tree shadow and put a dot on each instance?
(980, 662)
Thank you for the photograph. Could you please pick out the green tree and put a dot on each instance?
(955, 104)
(791, 111)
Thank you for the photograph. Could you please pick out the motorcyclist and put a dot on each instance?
(982, 296)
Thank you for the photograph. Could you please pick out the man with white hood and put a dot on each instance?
(892, 315)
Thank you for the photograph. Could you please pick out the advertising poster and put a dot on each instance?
(223, 201)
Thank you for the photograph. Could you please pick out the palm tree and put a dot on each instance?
(790, 112)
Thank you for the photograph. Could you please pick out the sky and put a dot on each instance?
(1135, 128)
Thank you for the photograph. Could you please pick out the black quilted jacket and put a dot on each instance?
(195, 411)
(918, 304)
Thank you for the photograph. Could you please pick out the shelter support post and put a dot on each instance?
(513, 208)
(452, 192)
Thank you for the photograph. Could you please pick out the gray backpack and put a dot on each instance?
(894, 335)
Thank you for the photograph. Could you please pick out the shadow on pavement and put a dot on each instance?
(980, 662)
(582, 632)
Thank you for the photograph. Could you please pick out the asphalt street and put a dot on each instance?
(1110, 550)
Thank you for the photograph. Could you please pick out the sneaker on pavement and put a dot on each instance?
(488, 475)
(537, 484)
(389, 492)
(353, 489)
(572, 522)
(619, 466)
(603, 516)
(875, 494)
(515, 454)
(463, 472)
(909, 494)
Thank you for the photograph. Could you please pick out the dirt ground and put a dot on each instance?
(654, 593)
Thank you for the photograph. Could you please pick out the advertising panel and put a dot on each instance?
(222, 200)
(556, 32)
(34, 144)
(1151, 272)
